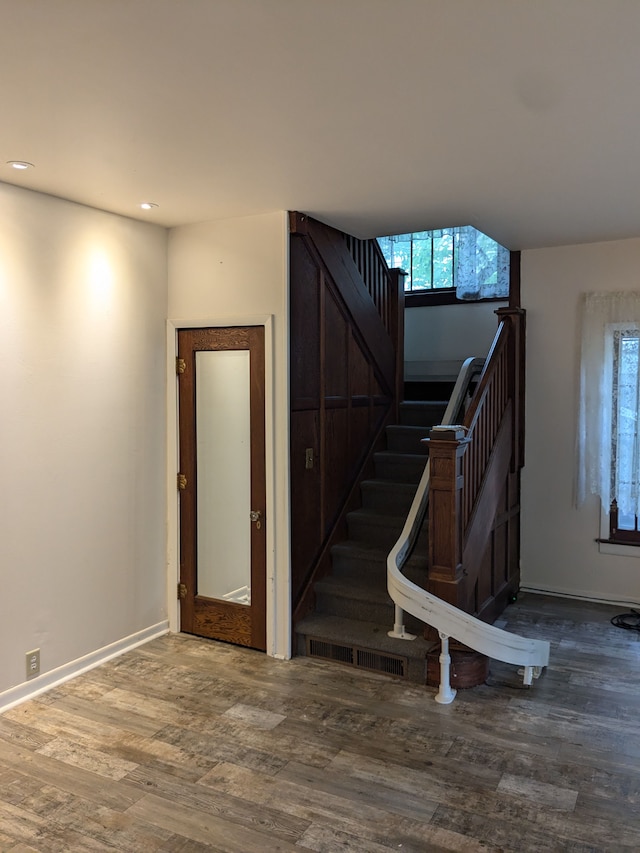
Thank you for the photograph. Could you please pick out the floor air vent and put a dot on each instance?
(354, 656)
(381, 663)
(322, 649)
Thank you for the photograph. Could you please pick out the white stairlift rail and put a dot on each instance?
(448, 620)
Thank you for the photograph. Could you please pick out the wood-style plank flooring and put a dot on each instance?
(185, 745)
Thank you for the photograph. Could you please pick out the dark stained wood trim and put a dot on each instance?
(187, 502)
(333, 254)
(514, 280)
(632, 542)
(342, 351)
(420, 299)
(396, 322)
(298, 223)
(517, 319)
(322, 564)
(245, 625)
(258, 607)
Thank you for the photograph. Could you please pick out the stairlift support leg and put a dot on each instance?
(446, 694)
(399, 631)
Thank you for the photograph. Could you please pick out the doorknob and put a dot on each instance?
(256, 515)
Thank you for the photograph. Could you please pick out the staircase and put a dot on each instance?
(353, 611)
(347, 374)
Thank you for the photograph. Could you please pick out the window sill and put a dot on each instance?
(417, 299)
(618, 549)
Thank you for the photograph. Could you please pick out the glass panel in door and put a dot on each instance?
(223, 452)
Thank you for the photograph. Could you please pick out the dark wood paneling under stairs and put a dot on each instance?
(346, 357)
(353, 611)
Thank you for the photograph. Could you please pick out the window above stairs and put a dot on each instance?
(460, 264)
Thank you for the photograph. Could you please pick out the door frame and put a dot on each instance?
(278, 615)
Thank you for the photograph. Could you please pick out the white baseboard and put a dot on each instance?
(15, 695)
(578, 595)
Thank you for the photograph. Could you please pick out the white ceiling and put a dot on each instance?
(520, 117)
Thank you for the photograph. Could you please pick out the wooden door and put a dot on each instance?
(222, 484)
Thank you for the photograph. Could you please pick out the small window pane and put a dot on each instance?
(443, 261)
(421, 269)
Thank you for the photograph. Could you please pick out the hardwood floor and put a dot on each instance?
(187, 745)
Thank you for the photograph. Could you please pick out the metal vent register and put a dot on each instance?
(355, 656)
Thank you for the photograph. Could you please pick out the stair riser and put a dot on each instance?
(375, 530)
(346, 566)
(403, 440)
(380, 530)
(364, 611)
(353, 565)
(416, 665)
(351, 608)
(395, 501)
(399, 471)
(423, 414)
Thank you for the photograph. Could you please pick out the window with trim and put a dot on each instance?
(462, 262)
(608, 428)
(624, 462)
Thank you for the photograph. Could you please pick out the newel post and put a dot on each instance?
(396, 331)
(516, 366)
(447, 446)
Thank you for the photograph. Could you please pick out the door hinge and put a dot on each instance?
(182, 482)
(182, 590)
(181, 365)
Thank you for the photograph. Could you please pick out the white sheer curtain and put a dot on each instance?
(481, 269)
(603, 314)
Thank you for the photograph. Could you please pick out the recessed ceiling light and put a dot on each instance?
(19, 164)
(148, 205)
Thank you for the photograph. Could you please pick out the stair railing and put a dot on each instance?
(375, 273)
(448, 620)
(386, 288)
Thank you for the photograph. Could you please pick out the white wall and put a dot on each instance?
(82, 439)
(439, 338)
(236, 271)
(558, 548)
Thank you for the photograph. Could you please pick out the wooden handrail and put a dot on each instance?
(470, 475)
(386, 288)
(377, 277)
(501, 384)
(483, 419)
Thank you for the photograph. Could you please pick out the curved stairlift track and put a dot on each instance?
(449, 621)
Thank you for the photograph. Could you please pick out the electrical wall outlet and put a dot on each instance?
(33, 663)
